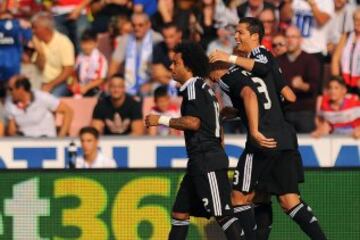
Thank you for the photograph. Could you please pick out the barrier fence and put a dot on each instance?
(136, 205)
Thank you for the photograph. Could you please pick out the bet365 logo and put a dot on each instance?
(82, 207)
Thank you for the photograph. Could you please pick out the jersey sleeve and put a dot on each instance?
(193, 101)
(263, 63)
(279, 77)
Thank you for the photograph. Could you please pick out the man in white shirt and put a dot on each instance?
(31, 112)
(92, 157)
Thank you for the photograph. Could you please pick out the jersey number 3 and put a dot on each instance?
(263, 89)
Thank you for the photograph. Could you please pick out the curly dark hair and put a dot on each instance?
(194, 58)
(254, 26)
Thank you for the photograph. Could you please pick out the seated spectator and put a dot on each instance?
(92, 157)
(118, 113)
(163, 106)
(14, 35)
(133, 55)
(91, 67)
(341, 22)
(339, 112)
(29, 69)
(147, 6)
(30, 112)
(162, 57)
(253, 8)
(278, 45)
(225, 41)
(22, 8)
(301, 72)
(346, 58)
(55, 55)
(268, 18)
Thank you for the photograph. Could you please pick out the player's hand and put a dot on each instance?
(152, 120)
(263, 141)
(218, 55)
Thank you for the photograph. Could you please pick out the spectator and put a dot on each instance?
(118, 113)
(225, 41)
(14, 34)
(253, 8)
(164, 107)
(2, 119)
(54, 55)
(312, 18)
(278, 45)
(31, 112)
(339, 112)
(133, 55)
(104, 11)
(341, 22)
(346, 58)
(21, 8)
(91, 67)
(301, 72)
(29, 69)
(92, 157)
(119, 26)
(267, 17)
(71, 18)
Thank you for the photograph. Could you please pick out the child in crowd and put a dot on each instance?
(163, 106)
(90, 68)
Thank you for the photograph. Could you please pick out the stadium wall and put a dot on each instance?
(147, 152)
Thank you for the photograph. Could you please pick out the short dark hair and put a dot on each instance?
(88, 35)
(118, 75)
(170, 25)
(194, 58)
(90, 130)
(161, 91)
(254, 26)
(219, 65)
(339, 79)
(22, 82)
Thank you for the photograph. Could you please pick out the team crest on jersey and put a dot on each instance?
(261, 58)
(8, 25)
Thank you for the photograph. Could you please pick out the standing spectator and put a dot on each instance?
(92, 157)
(253, 8)
(71, 18)
(163, 54)
(104, 11)
(31, 112)
(55, 55)
(339, 112)
(91, 67)
(267, 17)
(301, 72)
(312, 18)
(341, 22)
(133, 55)
(346, 59)
(278, 45)
(163, 106)
(14, 35)
(118, 113)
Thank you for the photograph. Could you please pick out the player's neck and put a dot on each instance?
(90, 159)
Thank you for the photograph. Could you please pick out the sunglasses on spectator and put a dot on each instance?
(275, 45)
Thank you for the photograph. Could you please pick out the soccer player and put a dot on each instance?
(284, 165)
(205, 189)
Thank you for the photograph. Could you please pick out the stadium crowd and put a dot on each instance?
(111, 59)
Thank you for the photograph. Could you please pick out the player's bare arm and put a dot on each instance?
(246, 63)
(252, 113)
(181, 123)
